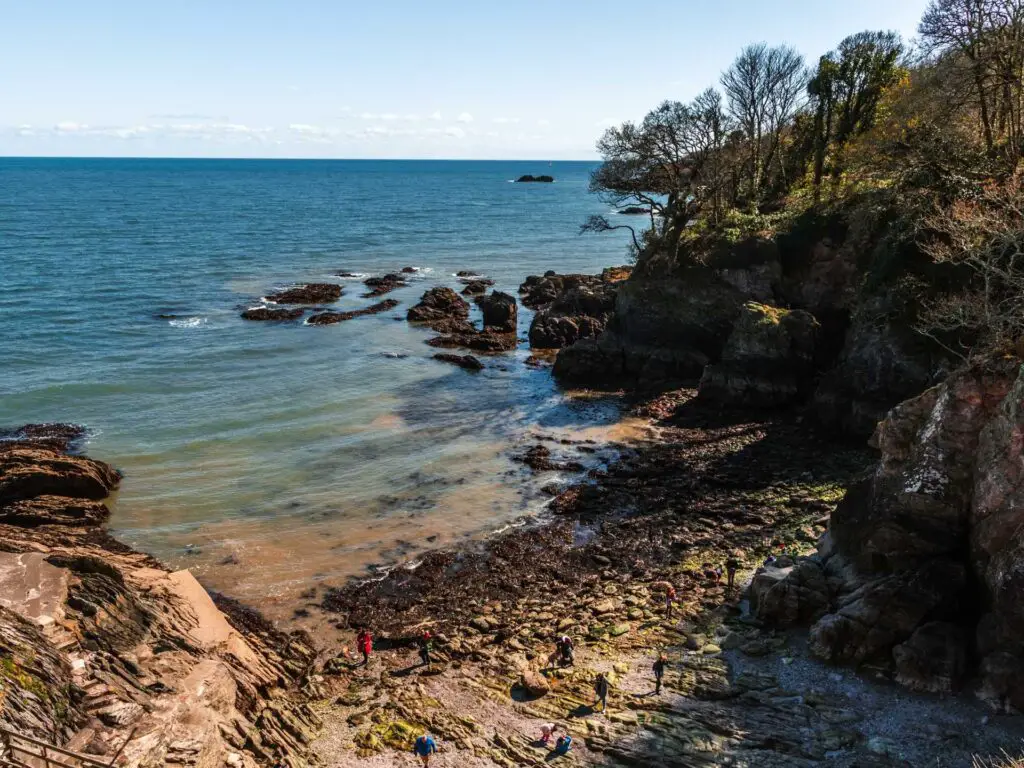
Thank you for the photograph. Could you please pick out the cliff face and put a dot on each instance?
(922, 569)
(99, 643)
(846, 350)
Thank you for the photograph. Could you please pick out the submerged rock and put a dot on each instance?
(541, 178)
(468, 362)
(268, 313)
(310, 293)
(329, 318)
(385, 284)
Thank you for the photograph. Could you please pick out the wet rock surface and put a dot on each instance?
(500, 312)
(268, 313)
(99, 642)
(467, 362)
(570, 307)
(439, 305)
(310, 293)
(713, 488)
(385, 284)
(329, 318)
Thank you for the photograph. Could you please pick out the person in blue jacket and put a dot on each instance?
(424, 748)
(563, 745)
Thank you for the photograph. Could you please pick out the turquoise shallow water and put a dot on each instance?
(262, 455)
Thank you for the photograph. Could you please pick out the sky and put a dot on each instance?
(526, 79)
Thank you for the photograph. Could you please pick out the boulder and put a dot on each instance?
(439, 304)
(28, 471)
(476, 287)
(542, 178)
(310, 293)
(933, 660)
(789, 596)
(664, 330)
(882, 362)
(538, 291)
(500, 311)
(924, 561)
(534, 683)
(266, 313)
(768, 359)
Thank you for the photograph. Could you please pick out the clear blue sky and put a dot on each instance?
(386, 78)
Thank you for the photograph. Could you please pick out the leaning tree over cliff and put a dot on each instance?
(669, 163)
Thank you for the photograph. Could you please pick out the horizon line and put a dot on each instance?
(311, 159)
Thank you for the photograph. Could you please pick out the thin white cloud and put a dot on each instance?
(505, 120)
(455, 132)
(543, 122)
(465, 117)
(436, 115)
(69, 126)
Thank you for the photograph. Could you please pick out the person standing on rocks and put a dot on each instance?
(364, 643)
(659, 672)
(731, 566)
(601, 687)
(670, 598)
(424, 748)
(546, 732)
(424, 643)
(564, 648)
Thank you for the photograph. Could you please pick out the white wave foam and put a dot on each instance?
(352, 276)
(187, 322)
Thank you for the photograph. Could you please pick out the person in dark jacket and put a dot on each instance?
(659, 672)
(424, 642)
(601, 687)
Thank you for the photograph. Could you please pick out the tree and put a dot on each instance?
(669, 163)
(984, 236)
(845, 91)
(986, 37)
(763, 87)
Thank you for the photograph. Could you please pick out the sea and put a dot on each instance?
(269, 457)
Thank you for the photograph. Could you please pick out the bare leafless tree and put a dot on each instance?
(764, 87)
(986, 37)
(986, 236)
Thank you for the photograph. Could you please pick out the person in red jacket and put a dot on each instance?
(364, 643)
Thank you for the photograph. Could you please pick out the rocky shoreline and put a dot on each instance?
(716, 485)
(105, 652)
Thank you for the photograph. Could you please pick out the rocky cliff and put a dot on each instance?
(921, 571)
(847, 348)
(104, 651)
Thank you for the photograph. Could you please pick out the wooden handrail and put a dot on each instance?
(9, 735)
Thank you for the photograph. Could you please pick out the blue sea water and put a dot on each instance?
(263, 455)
